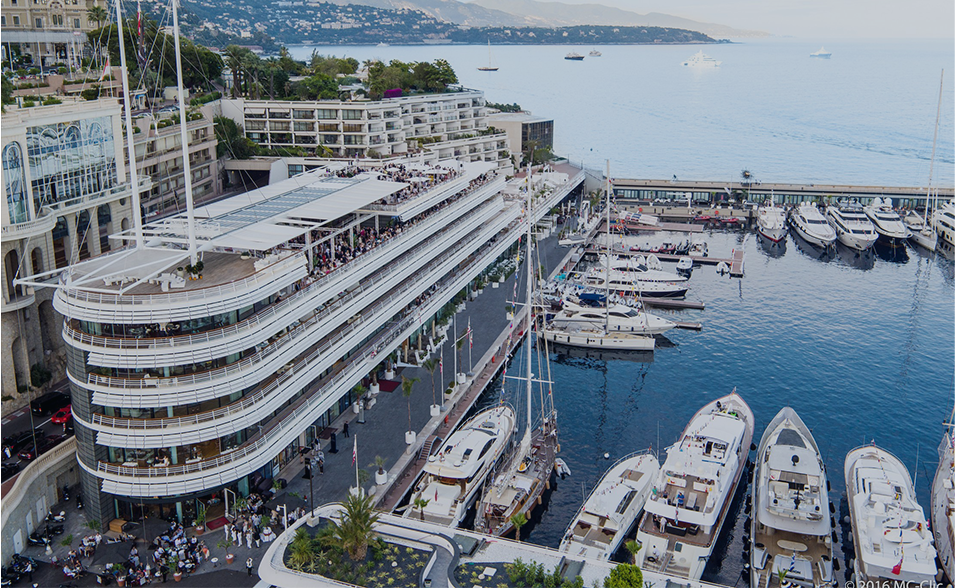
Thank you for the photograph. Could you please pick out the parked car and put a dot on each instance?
(49, 403)
(48, 443)
(64, 415)
(8, 470)
(17, 441)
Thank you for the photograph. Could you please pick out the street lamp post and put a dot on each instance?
(312, 462)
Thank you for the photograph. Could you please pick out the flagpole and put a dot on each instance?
(470, 346)
(355, 459)
(130, 145)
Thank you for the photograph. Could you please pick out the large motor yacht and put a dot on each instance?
(886, 221)
(633, 279)
(811, 225)
(853, 228)
(700, 59)
(771, 221)
(943, 502)
(891, 536)
(689, 502)
(454, 475)
(619, 318)
(605, 518)
(791, 517)
(943, 221)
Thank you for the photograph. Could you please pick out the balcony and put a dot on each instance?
(148, 481)
(41, 225)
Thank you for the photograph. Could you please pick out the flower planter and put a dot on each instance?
(381, 478)
(371, 402)
(229, 558)
(435, 409)
(495, 284)
(356, 407)
(501, 280)
(177, 577)
(462, 378)
(374, 389)
(200, 529)
(462, 307)
(410, 437)
(121, 581)
(389, 374)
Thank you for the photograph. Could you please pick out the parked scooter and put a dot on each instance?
(66, 493)
(56, 518)
(38, 540)
(79, 501)
(52, 530)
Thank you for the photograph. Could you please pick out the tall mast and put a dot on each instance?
(931, 165)
(609, 248)
(184, 139)
(526, 441)
(130, 147)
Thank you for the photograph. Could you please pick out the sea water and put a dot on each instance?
(866, 116)
(861, 346)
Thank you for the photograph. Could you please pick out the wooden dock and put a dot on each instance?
(673, 304)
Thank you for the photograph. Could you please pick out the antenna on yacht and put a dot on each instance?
(609, 249)
(130, 147)
(931, 165)
(526, 441)
(184, 139)
(915, 479)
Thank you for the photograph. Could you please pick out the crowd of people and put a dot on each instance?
(419, 180)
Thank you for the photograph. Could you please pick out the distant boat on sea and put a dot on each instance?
(701, 59)
(595, 53)
(382, 45)
(573, 56)
(490, 65)
(821, 53)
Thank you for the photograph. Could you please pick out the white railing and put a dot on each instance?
(301, 329)
(43, 223)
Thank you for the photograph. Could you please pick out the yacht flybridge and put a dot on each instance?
(689, 502)
(891, 535)
(453, 476)
(791, 518)
(943, 501)
(605, 518)
(852, 226)
(811, 225)
(771, 221)
(886, 221)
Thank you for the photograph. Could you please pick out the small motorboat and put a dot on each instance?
(653, 262)
(722, 268)
(685, 265)
(561, 466)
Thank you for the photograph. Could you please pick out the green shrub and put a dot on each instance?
(39, 375)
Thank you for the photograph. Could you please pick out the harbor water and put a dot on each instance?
(860, 347)
(865, 116)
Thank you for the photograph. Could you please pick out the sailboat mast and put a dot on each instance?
(609, 248)
(526, 441)
(931, 165)
(184, 138)
(130, 147)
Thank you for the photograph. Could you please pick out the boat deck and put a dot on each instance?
(808, 550)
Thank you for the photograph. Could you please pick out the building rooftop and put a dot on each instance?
(522, 116)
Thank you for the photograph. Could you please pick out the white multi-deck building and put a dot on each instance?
(184, 387)
(453, 124)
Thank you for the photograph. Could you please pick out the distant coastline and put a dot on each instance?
(507, 44)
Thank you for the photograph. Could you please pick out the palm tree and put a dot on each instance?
(301, 552)
(360, 391)
(406, 390)
(379, 463)
(420, 504)
(355, 530)
(430, 364)
(633, 547)
(518, 520)
(97, 15)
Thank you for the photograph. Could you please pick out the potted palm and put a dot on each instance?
(390, 367)
(359, 391)
(430, 364)
(381, 476)
(200, 523)
(461, 376)
(407, 387)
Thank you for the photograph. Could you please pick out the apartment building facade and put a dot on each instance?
(452, 124)
(64, 192)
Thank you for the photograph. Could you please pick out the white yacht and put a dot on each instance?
(700, 59)
(628, 277)
(595, 53)
(886, 221)
(943, 502)
(853, 228)
(603, 521)
(889, 530)
(771, 221)
(637, 219)
(943, 221)
(622, 318)
(821, 53)
(688, 504)
(922, 232)
(791, 518)
(811, 225)
(454, 475)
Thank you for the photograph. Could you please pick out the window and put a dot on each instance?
(3, 20)
(57, 20)
(351, 115)
(16, 21)
(39, 22)
(327, 113)
(76, 23)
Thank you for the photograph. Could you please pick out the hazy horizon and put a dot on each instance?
(810, 19)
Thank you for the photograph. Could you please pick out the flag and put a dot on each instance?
(897, 568)
(470, 335)
(105, 70)
(354, 452)
(435, 494)
(140, 37)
